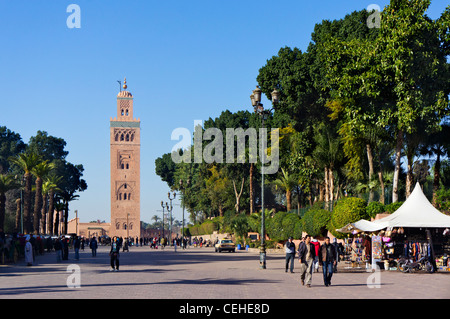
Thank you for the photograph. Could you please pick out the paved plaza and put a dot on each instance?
(200, 273)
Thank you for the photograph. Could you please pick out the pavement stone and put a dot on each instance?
(200, 273)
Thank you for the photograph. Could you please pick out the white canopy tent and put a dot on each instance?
(416, 212)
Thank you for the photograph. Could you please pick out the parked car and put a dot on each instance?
(225, 244)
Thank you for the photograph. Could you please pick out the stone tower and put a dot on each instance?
(125, 147)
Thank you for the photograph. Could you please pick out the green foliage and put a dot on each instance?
(315, 222)
(240, 226)
(11, 145)
(254, 222)
(443, 200)
(374, 208)
(206, 228)
(347, 210)
(390, 208)
(227, 226)
(292, 226)
(283, 225)
(165, 168)
(274, 226)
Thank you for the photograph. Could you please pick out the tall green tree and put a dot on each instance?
(27, 162)
(40, 171)
(49, 188)
(287, 183)
(7, 183)
(11, 145)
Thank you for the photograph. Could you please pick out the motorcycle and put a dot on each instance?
(408, 266)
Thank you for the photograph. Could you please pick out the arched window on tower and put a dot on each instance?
(124, 226)
(127, 112)
(129, 196)
(118, 226)
(121, 137)
(132, 137)
(116, 137)
(125, 196)
(131, 226)
(128, 166)
(121, 112)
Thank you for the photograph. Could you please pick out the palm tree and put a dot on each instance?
(59, 207)
(287, 183)
(7, 183)
(39, 171)
(328, 154)
(27, 161)
(51, 183)
(156, 218)
(66, 198)
(437, 144)
(48, 190)
(18, 213)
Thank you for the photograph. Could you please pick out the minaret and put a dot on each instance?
(125, 148)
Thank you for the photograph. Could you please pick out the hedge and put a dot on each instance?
(347, 210)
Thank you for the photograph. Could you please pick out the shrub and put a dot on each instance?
(206, 228)
(374, 208)
(390, 208)
(239, 225)
(347, 210)
(274, 226)
(443, 200)
(315, 222)
(290, 224)
(254, 222)
(227, 221)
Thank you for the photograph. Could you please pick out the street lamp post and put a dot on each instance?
(171, 209)
(183, 191)
(264, 115)
(163, 224)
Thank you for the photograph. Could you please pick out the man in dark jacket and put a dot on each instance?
(327, 259)
(93, 245)
(290, 254)
(76, 247)
(306, 255)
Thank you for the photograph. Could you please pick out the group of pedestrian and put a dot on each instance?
(309, 252)
(61, 247)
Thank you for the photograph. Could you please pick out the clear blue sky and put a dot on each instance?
(184, 60)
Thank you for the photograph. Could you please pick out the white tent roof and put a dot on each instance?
(416, 211)
(361, 225)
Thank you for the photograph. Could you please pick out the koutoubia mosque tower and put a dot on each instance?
(125, 141)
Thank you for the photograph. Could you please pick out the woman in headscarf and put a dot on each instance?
(28, 252)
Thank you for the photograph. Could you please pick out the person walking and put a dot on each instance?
(114, 254)
(306, 255)
(93, 245)
(125, 245)
(76, 247)
(290, 254)
(58, 250)
(65, 250)
(28, 251)
(327, 259)
(316, 244)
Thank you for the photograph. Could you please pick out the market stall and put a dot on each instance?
(416, 231)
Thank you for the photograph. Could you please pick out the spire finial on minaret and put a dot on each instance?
(125, 84)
